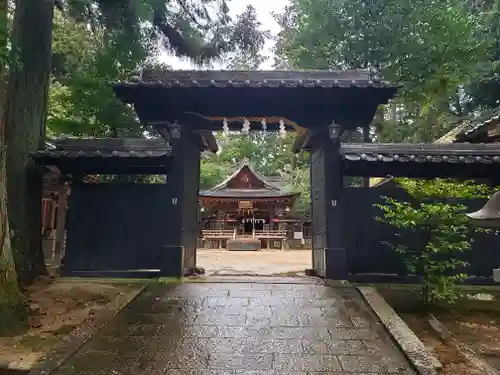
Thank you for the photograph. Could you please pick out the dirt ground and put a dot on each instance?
(262, 263)
(474, 320)
(56, 309)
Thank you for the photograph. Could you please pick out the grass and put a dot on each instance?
(406, 298)
(169, 280)
(107, 280)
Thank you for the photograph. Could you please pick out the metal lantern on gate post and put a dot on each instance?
(334, 130)
(488, 217)
(174, 130)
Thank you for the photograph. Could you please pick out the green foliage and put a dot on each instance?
(444, 226)
(95, 43)
(445, 188)
(298, 181)
(81, 101)
(212, 171)
(432, 48)
(248, 54)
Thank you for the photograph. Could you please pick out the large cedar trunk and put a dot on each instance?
(24, 118)
(11, 301)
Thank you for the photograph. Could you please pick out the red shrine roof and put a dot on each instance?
(246, 183)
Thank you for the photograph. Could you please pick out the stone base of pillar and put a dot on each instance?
(313, 272)
(496, 275)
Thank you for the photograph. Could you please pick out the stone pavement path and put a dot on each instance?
(254, 328)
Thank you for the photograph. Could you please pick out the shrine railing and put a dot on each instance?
(270, 234)
(218, 234)
(226, 234)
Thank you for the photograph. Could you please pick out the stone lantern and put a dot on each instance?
(488, 217)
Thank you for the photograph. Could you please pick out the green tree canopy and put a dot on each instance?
(432, 48)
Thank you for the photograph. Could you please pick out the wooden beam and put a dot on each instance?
(301, 142)
(209, 141)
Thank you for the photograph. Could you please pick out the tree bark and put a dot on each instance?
(24, 118)
(11, 300)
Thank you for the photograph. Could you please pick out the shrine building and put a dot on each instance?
(247, 211)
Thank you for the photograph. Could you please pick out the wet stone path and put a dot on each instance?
(241, 328)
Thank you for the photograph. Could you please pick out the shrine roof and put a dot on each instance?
(475, 127)
(248, 183)
(256, 79)
(246, 193)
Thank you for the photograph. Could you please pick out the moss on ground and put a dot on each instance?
(13, 320)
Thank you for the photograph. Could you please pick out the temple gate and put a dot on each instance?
(185, 107)
(178, 103)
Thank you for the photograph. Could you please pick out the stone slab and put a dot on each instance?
(420, 357)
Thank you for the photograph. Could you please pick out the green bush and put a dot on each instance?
(446, 230)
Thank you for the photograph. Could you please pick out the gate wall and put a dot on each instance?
(369, 259)
(119, 230)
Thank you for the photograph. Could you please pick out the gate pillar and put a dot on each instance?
(183, 179)
(326, 168)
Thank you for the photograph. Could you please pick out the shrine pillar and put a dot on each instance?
(326, 173)
(219, 228)
(183, 179)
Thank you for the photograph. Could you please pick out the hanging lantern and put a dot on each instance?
(246, 126)
(282, 129)
(225, 127)
(264, 126)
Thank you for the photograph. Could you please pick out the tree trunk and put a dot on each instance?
(11, 301)
(24, 118)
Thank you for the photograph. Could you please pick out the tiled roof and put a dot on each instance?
(423, 153)
(105, 148)
(257, 79)
(102, 154)
(471, 126)
(464, 129)
(480, 125)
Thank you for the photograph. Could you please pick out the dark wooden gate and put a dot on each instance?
(319, 225)
(119, 230)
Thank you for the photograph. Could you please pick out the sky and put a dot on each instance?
(264, 9)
